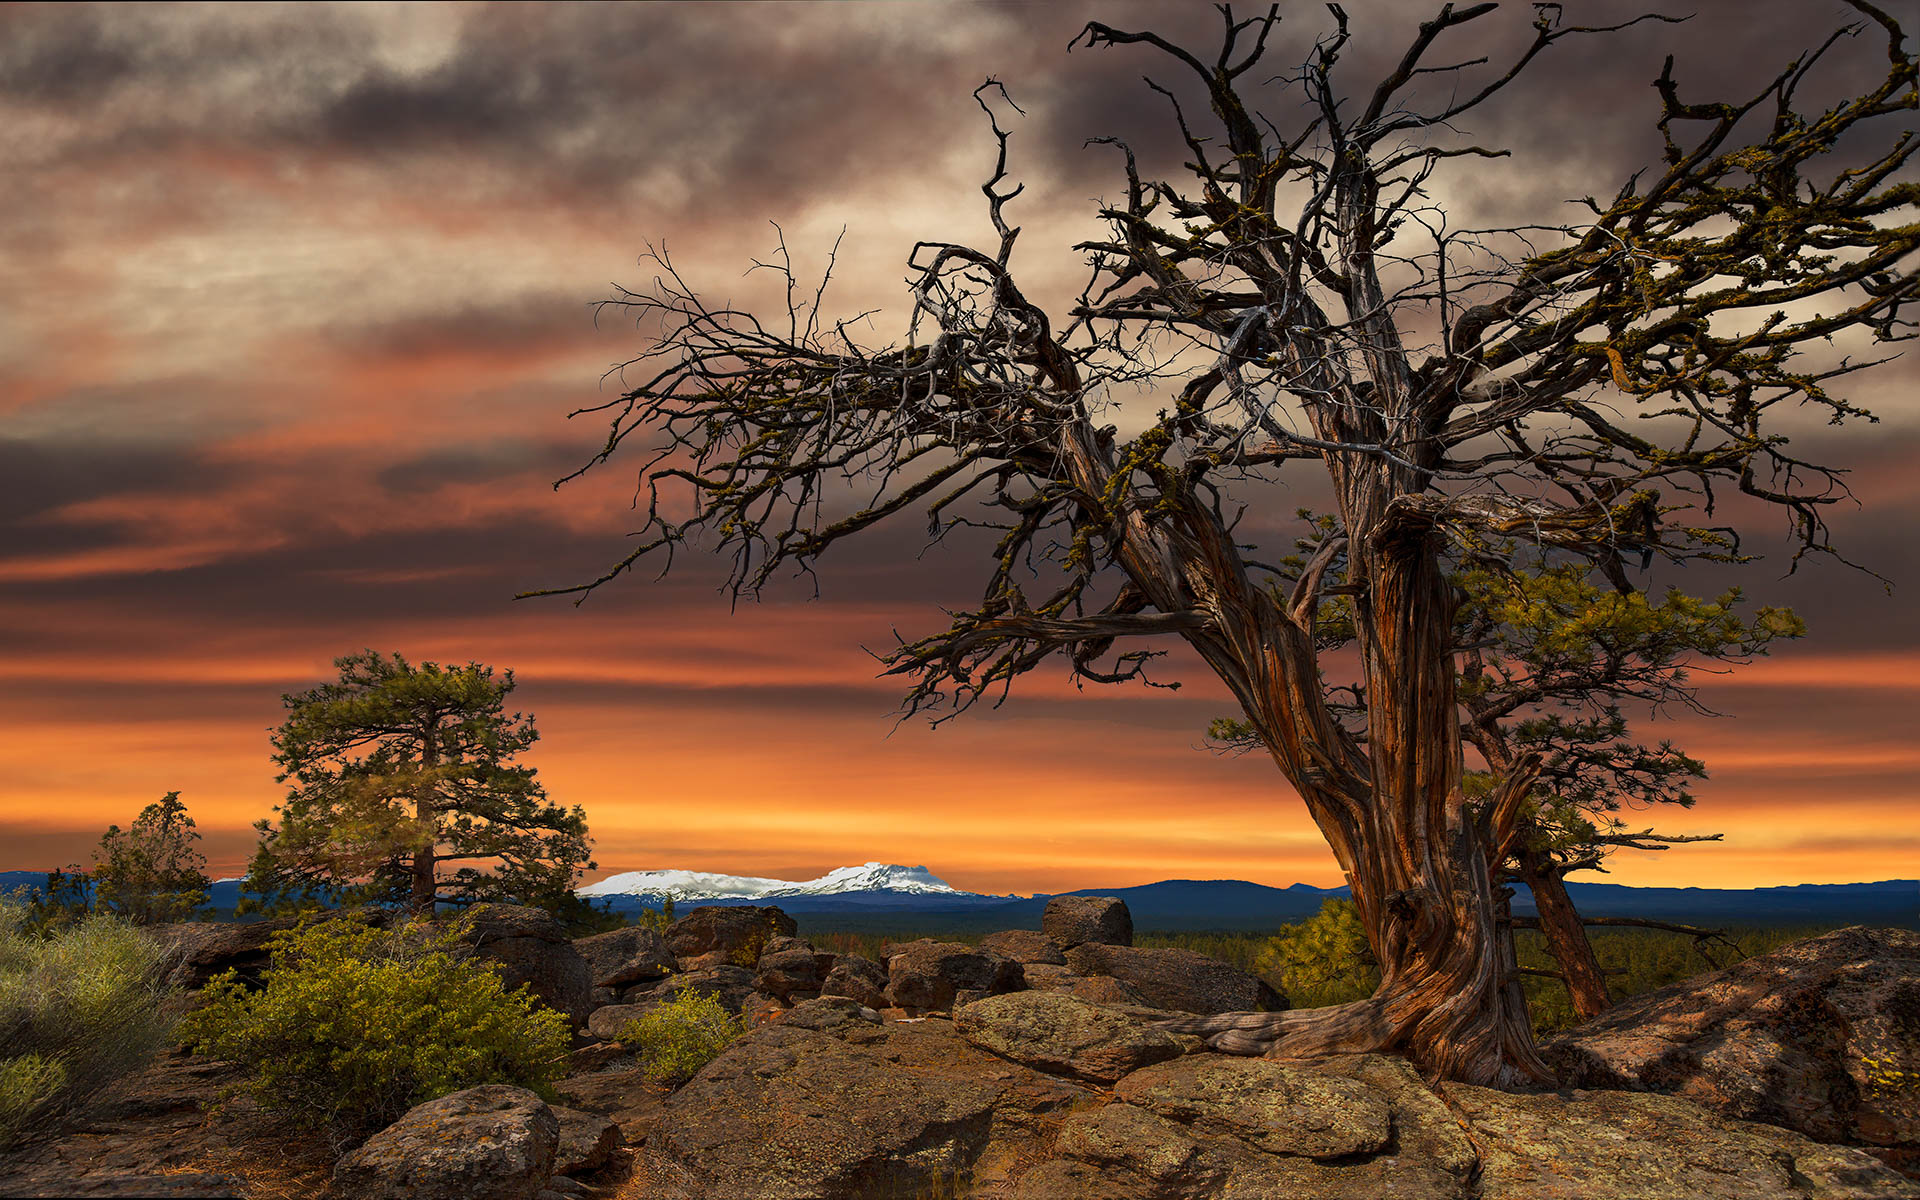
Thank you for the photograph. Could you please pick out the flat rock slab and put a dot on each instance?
(1063, 1035)
(1277, 1107)
(1635, 1146)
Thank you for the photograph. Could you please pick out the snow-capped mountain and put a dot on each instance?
(701, 885)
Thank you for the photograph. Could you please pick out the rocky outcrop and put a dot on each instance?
(199, 950)
(727, 934)
(858, 977)
(492, 1142)
(1645, 1147)
(1064, 1036)
(1822, 1036)
(1179, 980)
(790, 969)
(929, 975)
(733, 987)
(1071, 921)
(853, 1109)
(528, 946)
(587, 1141)
(1024, 946)
(627, 956)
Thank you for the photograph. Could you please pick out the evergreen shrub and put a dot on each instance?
(676, 1039)
(354, 1024)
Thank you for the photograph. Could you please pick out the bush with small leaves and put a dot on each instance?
(676, 1039)
(81, 1008)
(355, 1024)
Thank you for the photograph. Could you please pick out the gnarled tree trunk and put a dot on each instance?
(1566, 934)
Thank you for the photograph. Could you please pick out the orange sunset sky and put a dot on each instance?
(294, 302)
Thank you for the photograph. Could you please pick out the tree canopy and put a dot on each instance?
(406, 787)
(1589, 390)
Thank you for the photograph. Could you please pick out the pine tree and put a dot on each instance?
(400, 772)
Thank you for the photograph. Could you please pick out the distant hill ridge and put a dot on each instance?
(888, 890)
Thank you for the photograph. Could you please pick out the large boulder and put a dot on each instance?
(587, 1141)
(1822, 1036)
(858, 977)
(850, 1108)
(1179, 980)
(1024, 946)
(626, 956)
(930, 975)
(1357, 1128)
(529, 946)
(1071, 921)
(492, 1142)
(1628, 1146)
(1064, 1036)
(727, 934)
(1366, 1127)
(199, 950)
(792, 969)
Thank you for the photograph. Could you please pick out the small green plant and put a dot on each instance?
(1322, 960)
(354, 1024)
(81, 1007)
(676, 1039)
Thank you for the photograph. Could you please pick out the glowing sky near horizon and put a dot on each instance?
(294, 302)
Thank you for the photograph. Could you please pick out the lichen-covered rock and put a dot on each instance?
(622, 957)
(1821, 1036)
(1063, 1036)
(1178, 980)
(1071, 921)
(928, 975)
(727, 934)
(1125, 1151)
(1628, 1146)
(1278, 1107)
(830, 1013)
(492, 1142)
(857, 977)
(857, 1110)
(529, 946)
(1105, 989)
(587, 1141)
(1025, 946)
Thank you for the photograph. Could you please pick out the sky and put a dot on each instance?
(295, 301)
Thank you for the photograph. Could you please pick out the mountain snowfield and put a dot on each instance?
(703, 885)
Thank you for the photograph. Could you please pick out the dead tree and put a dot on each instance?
(1274, 289)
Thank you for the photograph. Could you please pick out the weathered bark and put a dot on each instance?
(1566, 934)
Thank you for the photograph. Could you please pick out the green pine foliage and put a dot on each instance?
(406, 787)
(82, 1007)
(355, 1024)
(1321, 960)
(674, 1040)
(151, 874)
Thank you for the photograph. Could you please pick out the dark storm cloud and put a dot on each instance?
(37, 476)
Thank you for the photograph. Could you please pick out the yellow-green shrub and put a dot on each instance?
(354, 1024)
(80, 1008)
(1324, 959)
(676, 1039)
